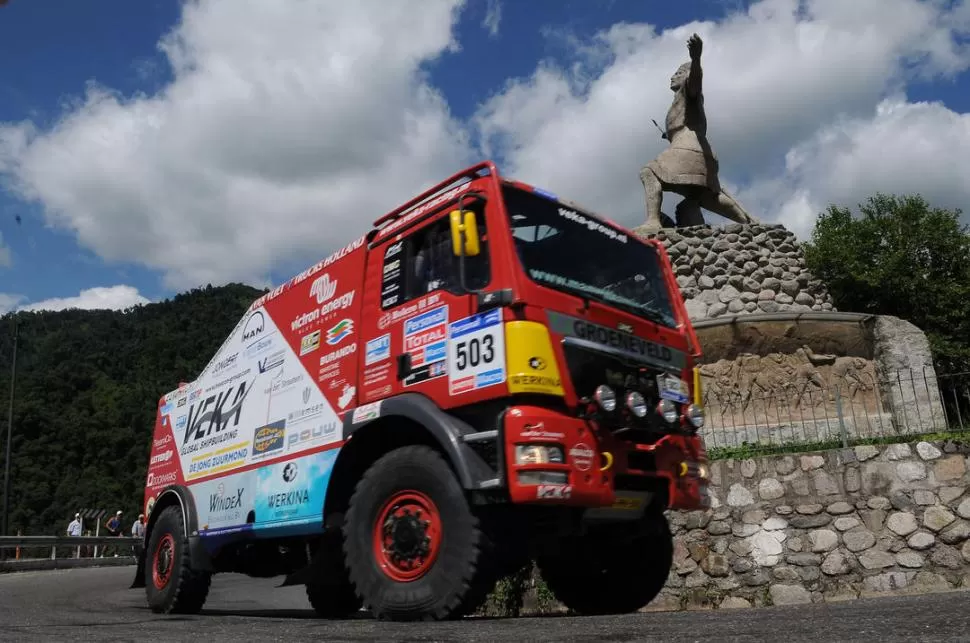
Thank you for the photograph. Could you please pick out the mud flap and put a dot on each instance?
(139, 580)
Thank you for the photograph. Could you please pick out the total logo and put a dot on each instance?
(323, 288)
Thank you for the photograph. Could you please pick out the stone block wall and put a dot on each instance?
(738, 269)
(825, 526)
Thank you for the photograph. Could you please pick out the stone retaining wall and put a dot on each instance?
(825, 526)
(741, 268)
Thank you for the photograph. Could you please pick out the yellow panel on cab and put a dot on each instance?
(529, 358)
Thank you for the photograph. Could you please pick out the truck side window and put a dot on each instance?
(424, 262)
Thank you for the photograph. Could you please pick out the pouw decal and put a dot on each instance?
(339, 331)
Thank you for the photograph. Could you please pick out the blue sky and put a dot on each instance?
(144, 221)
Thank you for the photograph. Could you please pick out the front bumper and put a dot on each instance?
(598, 470)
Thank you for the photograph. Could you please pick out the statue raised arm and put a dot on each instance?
(689, 166)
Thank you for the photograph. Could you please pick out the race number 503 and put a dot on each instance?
(476, 352)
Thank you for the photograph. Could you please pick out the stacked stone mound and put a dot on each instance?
(738, 269)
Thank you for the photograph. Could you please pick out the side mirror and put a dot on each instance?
(464, 233)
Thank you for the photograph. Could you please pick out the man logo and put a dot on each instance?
(323, 289)
(254, 326)
(306, 395)
(537, 363)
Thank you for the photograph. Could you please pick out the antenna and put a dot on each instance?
(663, 134)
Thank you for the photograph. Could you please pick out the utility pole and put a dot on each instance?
(6, 468)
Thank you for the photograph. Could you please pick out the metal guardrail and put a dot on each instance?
(7, 542)
(76, 551)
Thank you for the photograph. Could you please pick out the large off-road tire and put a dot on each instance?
(412, 543)
(611, 573)
(172, 586)
(331, 593)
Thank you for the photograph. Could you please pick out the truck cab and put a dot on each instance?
(511, 378)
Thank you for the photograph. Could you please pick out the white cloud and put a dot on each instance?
(901, 148)
(493, 17)
(780, 80)
(288, 128)
(9, 301)
(110, 298)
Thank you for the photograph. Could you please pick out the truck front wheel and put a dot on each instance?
(171, 584)
(413, 545)
(611, 573)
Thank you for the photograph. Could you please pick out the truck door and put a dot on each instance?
(421, 298)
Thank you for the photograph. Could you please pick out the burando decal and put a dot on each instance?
(339, 331)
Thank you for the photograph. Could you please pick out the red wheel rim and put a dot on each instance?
(407, 536)
(163, 561)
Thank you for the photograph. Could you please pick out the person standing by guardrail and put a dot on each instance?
(138, 531)
(114, 529)
(74, 529)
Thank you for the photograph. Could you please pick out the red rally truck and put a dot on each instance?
(490, 375)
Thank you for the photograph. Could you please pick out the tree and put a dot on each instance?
(904, 258)
(88, 384)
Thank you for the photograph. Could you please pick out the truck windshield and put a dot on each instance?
(561, 248)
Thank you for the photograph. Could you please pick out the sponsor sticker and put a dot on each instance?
(340, 331)
(309, 343)
(378, 350)
(366, 412)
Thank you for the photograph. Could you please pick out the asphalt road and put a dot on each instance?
(86, 604)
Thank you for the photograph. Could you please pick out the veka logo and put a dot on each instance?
(339, 331)
(322, 288)
(306, 395)
(218, 416)
(254, 326)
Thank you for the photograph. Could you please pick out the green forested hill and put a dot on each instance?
(88, 384)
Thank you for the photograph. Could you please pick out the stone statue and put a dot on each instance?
(689, 166)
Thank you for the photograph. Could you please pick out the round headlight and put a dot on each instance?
(605, 397)
(695, 415)
(667, 410)
(636, 403)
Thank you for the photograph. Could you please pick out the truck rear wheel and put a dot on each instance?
(331, 593)
(171, 584)
(413, 545)
(611, 573)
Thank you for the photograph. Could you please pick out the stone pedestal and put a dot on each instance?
(780, 364)
(735, 269)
